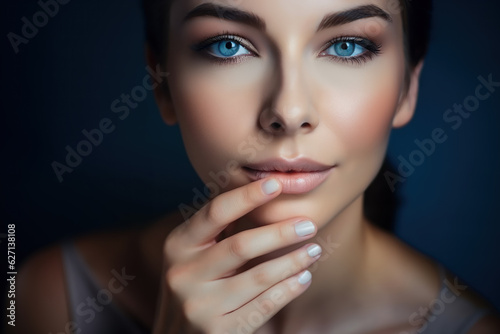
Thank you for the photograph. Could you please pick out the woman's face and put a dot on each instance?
(294, 84)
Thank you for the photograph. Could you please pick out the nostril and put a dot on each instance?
(305, 125)
(276, 126)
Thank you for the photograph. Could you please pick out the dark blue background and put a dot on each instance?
(64, 80)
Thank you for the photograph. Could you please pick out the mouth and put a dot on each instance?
(297, 176)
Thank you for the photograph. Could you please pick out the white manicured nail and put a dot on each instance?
(314, 250)
(305, 277)
(270, 186)
(304, 228)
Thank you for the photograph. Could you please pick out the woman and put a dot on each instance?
(285, 108)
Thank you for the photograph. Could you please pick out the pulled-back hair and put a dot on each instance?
(416, 16)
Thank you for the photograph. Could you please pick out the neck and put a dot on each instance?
(343, 241)
(338, 275)
(360, 266)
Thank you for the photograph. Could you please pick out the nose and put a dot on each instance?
(290, 109)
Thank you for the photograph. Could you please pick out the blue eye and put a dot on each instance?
(227, 48)
(345, 49)
(353, 50)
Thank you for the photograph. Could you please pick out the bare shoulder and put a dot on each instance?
(432, 290)
(40, 294)
(489, 324)
(42, 301)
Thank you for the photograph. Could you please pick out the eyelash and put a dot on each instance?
(372, 49)
(225, 36)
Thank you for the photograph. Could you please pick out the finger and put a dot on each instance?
(233, 252)
(265, 275)
(256, 313)
(214, 217)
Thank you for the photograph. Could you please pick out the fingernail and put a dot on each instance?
(305, 277)
(314, 250)
(304, 228)
(270, 186)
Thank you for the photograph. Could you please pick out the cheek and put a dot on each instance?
(363, 99)
(361, 124)
(216, 111)
(361, 110)
(368, 118)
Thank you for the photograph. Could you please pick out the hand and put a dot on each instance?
(202, 291)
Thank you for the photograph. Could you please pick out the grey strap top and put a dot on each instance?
(449, 312)
(93, 312)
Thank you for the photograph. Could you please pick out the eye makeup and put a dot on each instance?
(203, 48)
(369, 49)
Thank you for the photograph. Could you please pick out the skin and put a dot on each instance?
(351, 107)
(206, 278)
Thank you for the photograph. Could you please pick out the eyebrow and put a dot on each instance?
(354, 14)
(331, 20)
(226, 13)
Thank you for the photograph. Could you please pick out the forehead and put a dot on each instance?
(292, 15)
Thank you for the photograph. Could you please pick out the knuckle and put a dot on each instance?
(190, 307)
(261, 277)
(283, 233)
(237, 248)
(192, 312)
(287, 291)
(293, 288)
(199, 311)
(169, 245)
(287, 273)
(250, 196)
(268, 308)
(214, 211)
(265, 306)
(174, 278)
(299, 262)
(173, 250)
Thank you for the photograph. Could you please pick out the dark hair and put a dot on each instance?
(418, 28)
(416, 24)
(380, 202)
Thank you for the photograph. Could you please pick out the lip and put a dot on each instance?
(298, 176)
